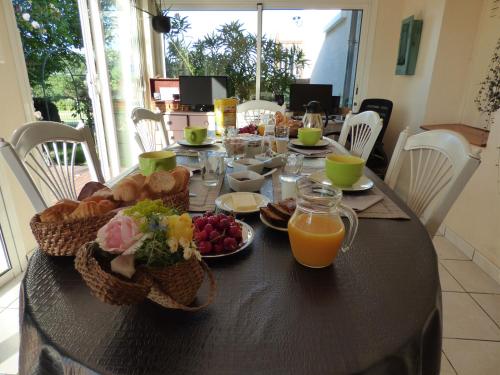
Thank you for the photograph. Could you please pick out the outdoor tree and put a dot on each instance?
(231, 50)
(52, 43)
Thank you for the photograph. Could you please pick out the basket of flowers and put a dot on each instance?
(146, 251)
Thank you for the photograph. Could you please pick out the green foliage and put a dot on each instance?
(231, 50)
(52, 43)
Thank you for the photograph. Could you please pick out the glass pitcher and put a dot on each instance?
(313, 118)
(316, 230)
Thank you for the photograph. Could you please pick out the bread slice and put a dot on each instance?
(288, 204)
(280, 211)
(273, 218)
(160, 182)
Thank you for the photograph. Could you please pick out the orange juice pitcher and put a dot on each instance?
(316, 230)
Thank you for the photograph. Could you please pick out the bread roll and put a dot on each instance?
(58, 212)
(181, 176)
(126, 190)
(160, 182)
(105, 193)
(138, 178)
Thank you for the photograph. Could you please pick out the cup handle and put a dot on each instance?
(353, 226)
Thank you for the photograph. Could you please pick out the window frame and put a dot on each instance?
(369, 8)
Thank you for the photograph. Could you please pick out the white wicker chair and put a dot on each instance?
(429, 170)
(34, 154)
(364, 128)
(252, 111)
(151, 134)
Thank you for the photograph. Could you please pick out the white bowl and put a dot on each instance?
(272, 162)
(254, 183)
(249, 164)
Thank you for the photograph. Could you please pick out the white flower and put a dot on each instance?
(35, 25)
(173, 245)
(190, 251)
(26, 16)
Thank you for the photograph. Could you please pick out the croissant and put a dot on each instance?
(92, 208)
(58, 212)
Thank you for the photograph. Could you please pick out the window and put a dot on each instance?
(303, 46)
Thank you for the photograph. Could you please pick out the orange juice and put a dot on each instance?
(315, 239)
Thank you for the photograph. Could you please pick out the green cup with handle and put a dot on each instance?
(150, 162)
(344, 170)
(309, 136)
(195, 136)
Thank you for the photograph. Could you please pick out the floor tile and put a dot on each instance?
(14, 305)
(463, 318)
(448, 283)
(9, 292)
(471, 277)
(446, 368)
(491, 304)
(473, 357)
(446, 250)
(459, 243)
(9, 341)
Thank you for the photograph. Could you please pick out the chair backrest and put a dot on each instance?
(364, 129)
(46, 151)
(384, 109)
(151, 134)
(252, 110)
(429, 170)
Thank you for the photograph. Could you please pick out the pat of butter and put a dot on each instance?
(244, 202)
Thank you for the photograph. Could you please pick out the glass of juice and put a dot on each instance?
(316, 230)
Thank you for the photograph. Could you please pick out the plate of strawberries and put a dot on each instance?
(219, 235)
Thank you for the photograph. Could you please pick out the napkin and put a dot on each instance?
(361, 202)
(315, 153)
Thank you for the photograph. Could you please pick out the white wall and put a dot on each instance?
(15, 111)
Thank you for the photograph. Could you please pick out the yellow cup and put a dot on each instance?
(150, 162)
(344, 170)
(195, 136)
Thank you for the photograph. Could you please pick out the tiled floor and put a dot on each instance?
(471, 317)
(9, 326)
(471, 314)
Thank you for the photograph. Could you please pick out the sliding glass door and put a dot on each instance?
(10, 263)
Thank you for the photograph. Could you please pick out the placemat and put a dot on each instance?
(384, 209)
(205, 195)
(317, 153)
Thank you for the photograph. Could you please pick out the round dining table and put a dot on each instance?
(376, 310)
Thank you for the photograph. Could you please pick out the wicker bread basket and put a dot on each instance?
(65, 238)
(108, 287)
(178, 200)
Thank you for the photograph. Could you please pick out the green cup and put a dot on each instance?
(150, 162)
(309, 136)
(344, 170)
(195, 136)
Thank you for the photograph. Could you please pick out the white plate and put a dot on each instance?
(206, 142)
(248, 236)
(319, 144)
(364, 183)
(268, 224)
(225, 202)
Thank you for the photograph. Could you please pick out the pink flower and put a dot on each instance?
(121, 234)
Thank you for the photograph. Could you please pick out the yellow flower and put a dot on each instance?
(180, 227)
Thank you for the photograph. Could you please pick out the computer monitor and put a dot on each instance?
(201, 91)
(301, 94)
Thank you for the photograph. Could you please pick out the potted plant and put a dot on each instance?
(488, 97)
(160, 21)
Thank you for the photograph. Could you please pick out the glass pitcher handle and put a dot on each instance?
(353, 226)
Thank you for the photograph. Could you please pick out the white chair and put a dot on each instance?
(429, 170)
(45, 151)
(151, 134)
(364, 128)
(252, 111)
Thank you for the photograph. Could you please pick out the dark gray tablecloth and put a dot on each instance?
(377, 310)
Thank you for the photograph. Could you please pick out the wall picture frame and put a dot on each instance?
(409, 42)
